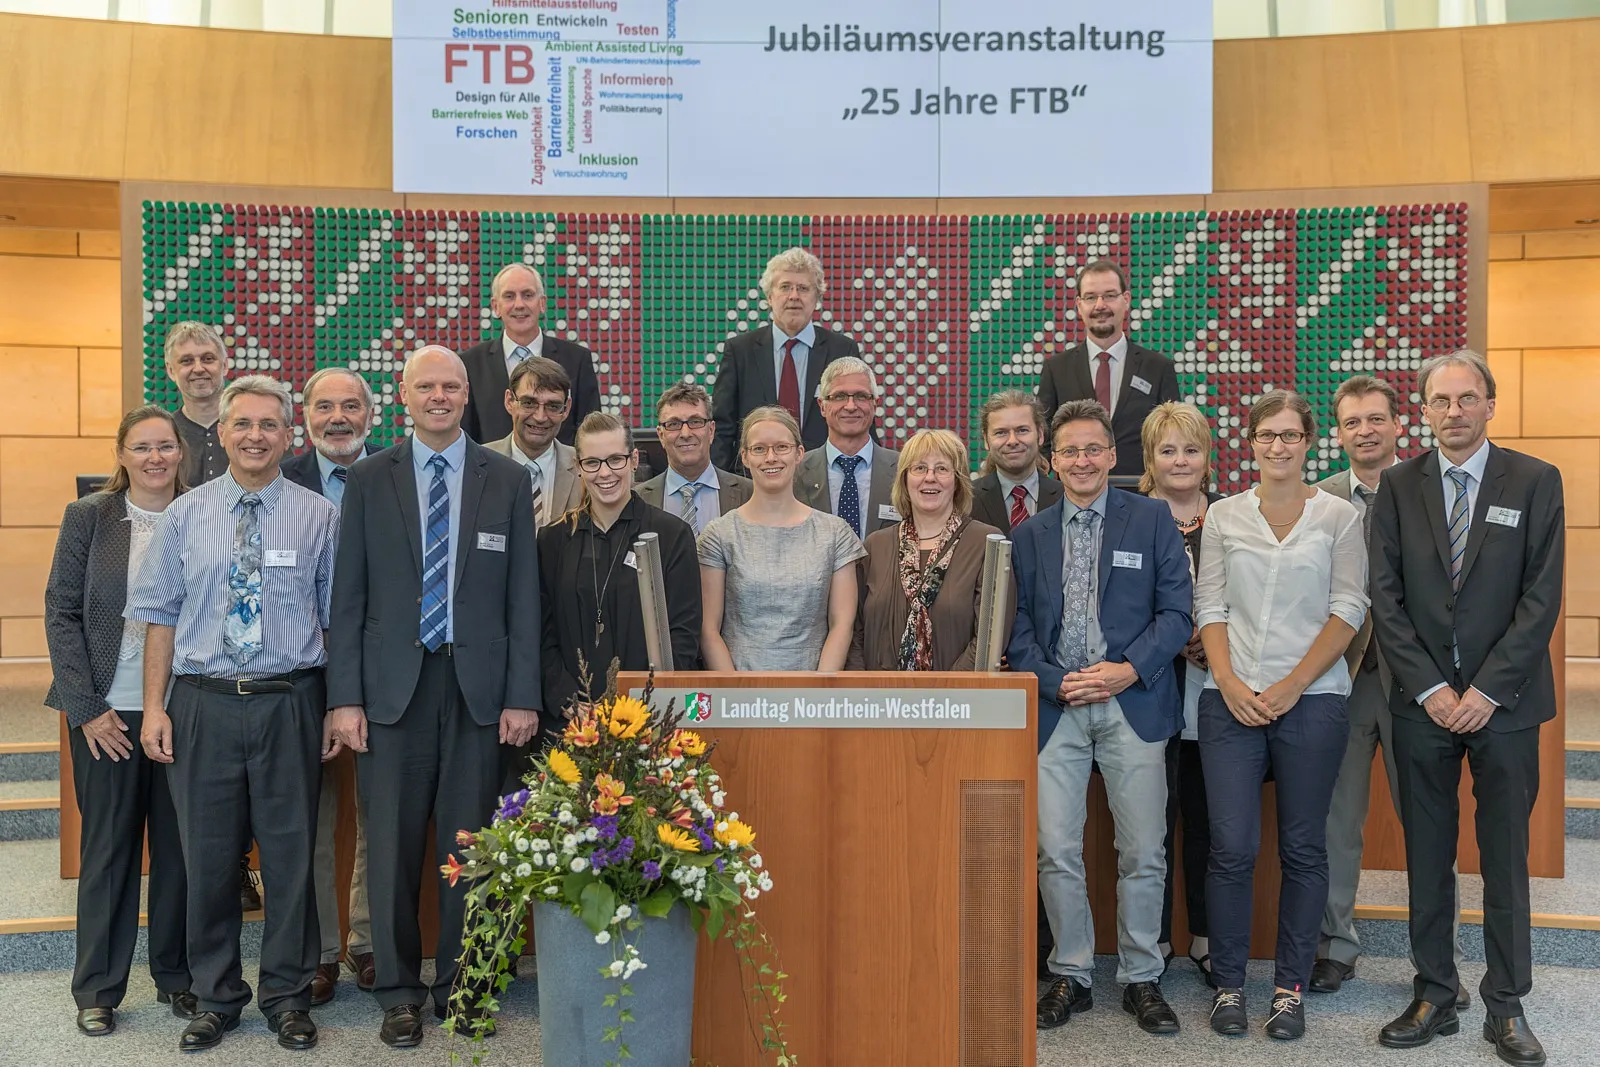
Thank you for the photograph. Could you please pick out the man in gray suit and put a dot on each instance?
(538, 400)
(691, 487)
(435, 630)
(849, 476)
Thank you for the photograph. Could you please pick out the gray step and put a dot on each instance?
(30, 766)
(1583, 763)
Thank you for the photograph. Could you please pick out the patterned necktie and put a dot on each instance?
(520, 353)
(1019, 505)
(789, 380)
(687, 511)
(436, 561)
(1076, 585)
(850, 493)
(1369, 501)
(538, 494)
(1102, 381)
(339, 474)
(1460, 523)
(241, 631)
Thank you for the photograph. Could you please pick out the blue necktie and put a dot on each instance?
(241, 630)
(436, 561)
(849, 493)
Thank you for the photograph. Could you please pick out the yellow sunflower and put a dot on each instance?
(626, 717)
(681, 840)
(563, 767)
(735, 833)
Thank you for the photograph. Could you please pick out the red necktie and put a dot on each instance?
(1102, 381)
(789, 381)
(1019, 505)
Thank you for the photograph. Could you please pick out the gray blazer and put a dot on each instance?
(811, 485)
(732, 491)
(83, 604)
(568, 488)
(1340, 485)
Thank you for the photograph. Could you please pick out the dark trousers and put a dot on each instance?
(118, 803)
(1505, 783)
(1186, 800)
(435, 762)
(1302, 749)
(249, 766)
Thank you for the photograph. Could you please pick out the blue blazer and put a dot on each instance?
(1144, 609)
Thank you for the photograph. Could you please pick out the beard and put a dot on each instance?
(339, 447)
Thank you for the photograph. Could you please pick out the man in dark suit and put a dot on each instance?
(1468, 547)
(850, 476)
(1104, 602)
(779, 363)
(691, 487)
(1011, 488)
(1127, 379)
(435, 631)
(518, 301)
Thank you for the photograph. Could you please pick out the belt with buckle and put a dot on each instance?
(249, 687)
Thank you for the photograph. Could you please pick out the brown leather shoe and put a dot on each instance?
(365, 970)
(324, 983)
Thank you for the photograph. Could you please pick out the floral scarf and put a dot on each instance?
(921, 585)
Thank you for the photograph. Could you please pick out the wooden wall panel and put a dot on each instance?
(1506, 366)
(22, 638)
(1533, 93)
(41, 398)
(63, 91)
(99, 391)
(1544, 303)
(26, 241)
(1570, 244)
(38, 476)
(51, 301)
(25, 567)
(100, 244)
(1503, 245)
(1583, 579)
(1579, 461)
(1583, 636)
(1556, 393)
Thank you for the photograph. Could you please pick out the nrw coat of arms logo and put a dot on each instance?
(697, 706)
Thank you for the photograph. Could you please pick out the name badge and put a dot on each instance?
(1140, 384)
(1504, 516)
(887, 513)
(278, 557)
(1134, 561)
(631, 561)
(492, 542)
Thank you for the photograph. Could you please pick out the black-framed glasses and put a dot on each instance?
(530, 405)
(694, 422)
(616, 462)
(1288, 437)
(864, 399)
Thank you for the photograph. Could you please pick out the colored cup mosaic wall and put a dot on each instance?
(948, 309)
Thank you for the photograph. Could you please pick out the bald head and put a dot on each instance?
(434, 388)
(435, 356)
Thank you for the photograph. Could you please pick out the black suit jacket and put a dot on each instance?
(83, 604)
(745, 381)
(1066, 376)
(1505, 612)
(374, 654)
(486, 418)
(992, 506)
(304, 470)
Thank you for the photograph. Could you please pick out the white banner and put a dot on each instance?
(849, 709)
(896, 98)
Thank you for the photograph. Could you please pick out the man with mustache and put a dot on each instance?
(198, 365)
(779, 363)
(538, 399)
(337, 408)
(1011, 487)
(1127, 379)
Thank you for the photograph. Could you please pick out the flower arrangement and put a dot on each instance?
(623, 818)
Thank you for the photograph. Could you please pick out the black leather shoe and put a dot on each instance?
(1513, 1041)
(324, 983)
(1463, 1002)
(97, 1022)
(1064, 999)
(1227, 1013)
(1328, 975)
(1143, 1001)
(205, 1031)
(365, 969)
(249, 891)
(295, 1030)
(402, 1026)
(185, 1005)
(1288, 1019)
(1418, 1026)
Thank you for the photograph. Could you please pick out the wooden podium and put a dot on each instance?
(903, 861)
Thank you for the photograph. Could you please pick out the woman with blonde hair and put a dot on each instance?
(923, 575)
(777, 577)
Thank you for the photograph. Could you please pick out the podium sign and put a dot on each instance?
(851, 708)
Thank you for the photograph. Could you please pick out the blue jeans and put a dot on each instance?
(1303, 749)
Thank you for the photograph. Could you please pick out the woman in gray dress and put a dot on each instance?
(777, 579)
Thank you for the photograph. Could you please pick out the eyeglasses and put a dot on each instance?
(616, 462)
(145, 451)
(530, 405)
(694, 422)
(1091, 451)
(1288, 437)
(763, 451)
(794, 289)
(1098, 298)
(938, 470)
(264, 426)
(1441, 404)
(864, 399)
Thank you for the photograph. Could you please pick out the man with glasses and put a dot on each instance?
(1104, 600)
(518, 300)
(1125, 378)
(691, 487)
(538, 400)
(780, 363)
(1468, 550)
(849, 476)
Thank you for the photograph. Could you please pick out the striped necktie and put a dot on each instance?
(1460, 523)
(436, 561)
(688, 512)
(538, 494)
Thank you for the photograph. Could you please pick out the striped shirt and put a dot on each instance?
(183, 582)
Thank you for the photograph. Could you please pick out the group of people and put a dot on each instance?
(221, 628)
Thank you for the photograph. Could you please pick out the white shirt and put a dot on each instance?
(1276, 597)
(508, 348)
(541, 470)
(1031, 486)
(1119, 359)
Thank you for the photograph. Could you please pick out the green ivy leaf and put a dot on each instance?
(659, 903)
(597, 906)
(573, 885)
